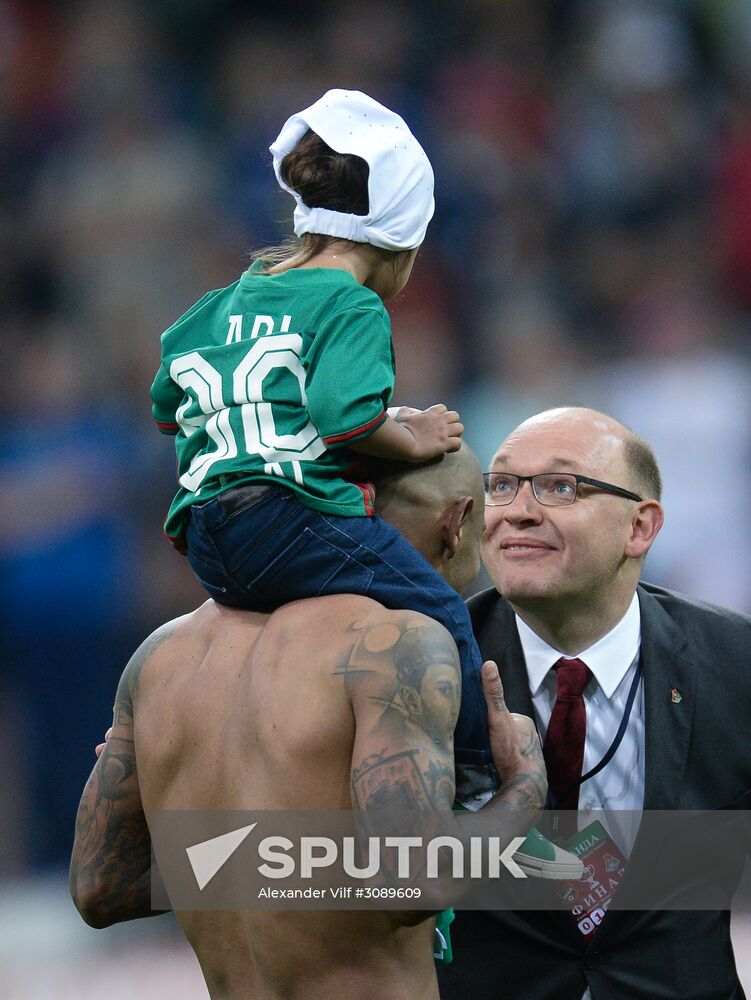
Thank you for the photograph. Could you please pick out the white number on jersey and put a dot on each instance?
(199, 378)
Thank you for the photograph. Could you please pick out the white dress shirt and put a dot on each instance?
(613, 660)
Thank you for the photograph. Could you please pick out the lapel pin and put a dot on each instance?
(676, 696)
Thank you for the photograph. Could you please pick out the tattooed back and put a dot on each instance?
(236, 710)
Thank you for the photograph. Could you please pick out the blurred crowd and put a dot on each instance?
(591, 244)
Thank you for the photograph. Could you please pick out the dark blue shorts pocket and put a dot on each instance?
(310, 566)
(250, 538)
(476, 776)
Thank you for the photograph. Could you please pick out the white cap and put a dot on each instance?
(400, 184)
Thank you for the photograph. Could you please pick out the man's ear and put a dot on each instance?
(451, 526)
(646, 521)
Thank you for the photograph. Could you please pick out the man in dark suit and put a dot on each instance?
(566, 551)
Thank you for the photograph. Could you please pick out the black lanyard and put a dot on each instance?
(552, 803)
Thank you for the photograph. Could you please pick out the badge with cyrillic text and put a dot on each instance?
(588, 899)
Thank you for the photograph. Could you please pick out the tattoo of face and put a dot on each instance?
(419, 681)
(413, 685)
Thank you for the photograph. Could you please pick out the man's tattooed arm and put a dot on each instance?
(110, 867)
(404, 681)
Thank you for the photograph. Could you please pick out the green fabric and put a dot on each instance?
(269, 380)
(442, 951)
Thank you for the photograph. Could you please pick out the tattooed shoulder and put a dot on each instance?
(131, 675)
(393, 639)
(405, 667)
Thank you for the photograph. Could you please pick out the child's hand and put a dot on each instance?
(411, 435)
(398, 413)
(436, 431)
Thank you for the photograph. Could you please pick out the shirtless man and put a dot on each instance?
(229, 709)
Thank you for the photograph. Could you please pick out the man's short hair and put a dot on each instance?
(641, 461)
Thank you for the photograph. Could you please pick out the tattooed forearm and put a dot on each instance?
(523, 792)
(111, 863)
(110, 867)
(524, 787)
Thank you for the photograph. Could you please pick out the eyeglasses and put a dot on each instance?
(552, 489)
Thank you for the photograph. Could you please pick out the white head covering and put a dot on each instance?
(400, 184)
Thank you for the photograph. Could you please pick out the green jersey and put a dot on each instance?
(269, 380)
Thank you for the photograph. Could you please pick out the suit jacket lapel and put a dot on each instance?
(667, 667)
(669, 683)
(498, 638)
(495, 628)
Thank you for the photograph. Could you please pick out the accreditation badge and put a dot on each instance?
(587, 899)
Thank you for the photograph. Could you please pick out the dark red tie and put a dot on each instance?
(563, 749)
